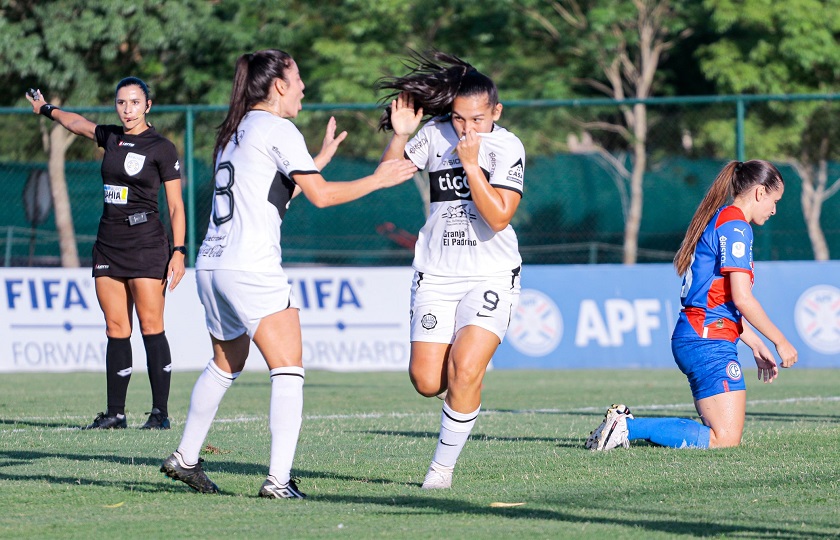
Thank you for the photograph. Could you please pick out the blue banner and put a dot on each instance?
(616, 316)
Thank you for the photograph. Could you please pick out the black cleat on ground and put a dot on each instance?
(157, 420)
(103, 421)
(271, 489)
(193, 476)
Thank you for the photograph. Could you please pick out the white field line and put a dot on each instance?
(374, 415)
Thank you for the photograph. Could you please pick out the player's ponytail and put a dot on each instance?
(434, 80)
(735, 178)
(252, 79)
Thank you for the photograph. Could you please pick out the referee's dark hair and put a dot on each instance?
(434, 80)
(134, 81)
(254, 75)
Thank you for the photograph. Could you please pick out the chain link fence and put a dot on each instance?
(581, 159)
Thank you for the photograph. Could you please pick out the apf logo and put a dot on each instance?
(817, 318)
(537, 324)
(46, 294)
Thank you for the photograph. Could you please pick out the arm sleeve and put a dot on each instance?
(100, 134)
(294, 158)
(417, 149)
(505, 163)
(168, 165)
(735, 241)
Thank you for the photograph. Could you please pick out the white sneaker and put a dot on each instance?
(438, 477)
(613, 430)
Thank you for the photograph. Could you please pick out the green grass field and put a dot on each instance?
(368, 438)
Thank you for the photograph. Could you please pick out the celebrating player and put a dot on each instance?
(132, 259)
(716, 262)
(261, 163)
(467, 262)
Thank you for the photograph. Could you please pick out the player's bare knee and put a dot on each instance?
(724, 439)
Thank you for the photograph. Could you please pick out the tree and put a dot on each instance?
(75, 51)
(616, 48)
(784, 48)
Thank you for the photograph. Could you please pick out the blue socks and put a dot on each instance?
(671, 432)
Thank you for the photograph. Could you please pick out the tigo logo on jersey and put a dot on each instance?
(733, 370)
(133, 163)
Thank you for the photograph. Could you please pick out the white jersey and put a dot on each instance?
(456, 241)
(254, 186)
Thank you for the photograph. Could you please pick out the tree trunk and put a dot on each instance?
(59, 140)
(813, 195)
(634, 216)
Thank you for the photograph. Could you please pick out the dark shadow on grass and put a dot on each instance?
(446, 505)
(473, 436)
(792, 417)
(34, 423)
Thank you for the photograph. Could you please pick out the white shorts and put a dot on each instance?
(235, 302)
(441, 306)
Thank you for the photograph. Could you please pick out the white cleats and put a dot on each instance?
(438, 477)
(613, 430)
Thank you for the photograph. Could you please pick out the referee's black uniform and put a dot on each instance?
(132, 242)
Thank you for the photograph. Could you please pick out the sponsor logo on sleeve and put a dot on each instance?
(516, 172)
(739, 249)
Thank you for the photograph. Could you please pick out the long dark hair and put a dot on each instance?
(735, 178)
(251, 82)
(434, 80)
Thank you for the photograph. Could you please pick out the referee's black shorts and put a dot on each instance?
(139, 251)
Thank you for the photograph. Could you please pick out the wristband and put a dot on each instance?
(47, 110)
(180, 249)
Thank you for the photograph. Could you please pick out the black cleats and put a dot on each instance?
(157, 420)
(175, 468)
(104, 421)
(272, 489)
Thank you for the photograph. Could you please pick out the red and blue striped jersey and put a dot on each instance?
(708, 310)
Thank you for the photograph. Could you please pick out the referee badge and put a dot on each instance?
(133, 163)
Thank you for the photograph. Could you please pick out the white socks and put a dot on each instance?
(206, 396)
(455, 429)
(284, 419)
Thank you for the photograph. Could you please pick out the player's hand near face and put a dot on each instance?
(330, 144)
(404, 119)
(468, 148)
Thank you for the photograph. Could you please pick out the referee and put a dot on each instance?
(132, 258)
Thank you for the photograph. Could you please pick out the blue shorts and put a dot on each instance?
(711, 365)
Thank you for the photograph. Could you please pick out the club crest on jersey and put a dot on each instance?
(428, 321)
(733, 370)
(460, 211)
(133, 163)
